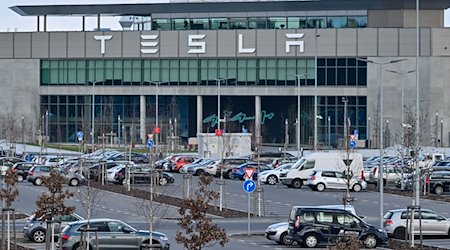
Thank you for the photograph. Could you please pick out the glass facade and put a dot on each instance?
(197, 72)
(310, 22)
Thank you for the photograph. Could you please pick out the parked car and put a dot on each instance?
(35, 228)
(142, 175)
(390, 175)
(8, 162)
(320, 180)
(199, 169)
(180, 161)
(432, 223)
(111, 234)
(272, 177)
(21, 169)
(37, 173)
(239, 173)
(313, 226)
(439, 182)
(199, 161)
(279, 231)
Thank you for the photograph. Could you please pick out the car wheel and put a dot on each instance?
(310, 241)
(19, 178)
(357, 187)
(227, 175)
(285, 239)
(124, 182)
(370, 241)
(38, 182)
(74, 182)
(163, 181)
(38, 236)
(439, 190)
(399, 233)
(320, 187)
(272, 180)
(199, 172)
(297, 183)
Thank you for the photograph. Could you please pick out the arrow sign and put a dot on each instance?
(149, 143)
(249, 172)
(249, 186)
(352, 144)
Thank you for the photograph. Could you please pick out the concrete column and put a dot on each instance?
(142, 112)
(199, 114)
(258, 120)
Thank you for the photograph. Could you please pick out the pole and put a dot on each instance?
(157, 117)
(442, 133)
(315, 93)
(344, 99)
(218, 148)
(298, 117)
(417, 201)
(329, 131)
(380, 169)
(402, 183)
(248, 215)
(118, 130)
(436, 122)
(93, 117)
(369, 141)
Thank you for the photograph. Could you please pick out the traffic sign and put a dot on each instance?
(249, 186)
(80, 135)
(150, 136)
(352, 144)
(157, 130)
(355, 132)
(218, 132)
(149, 143)
(249, 172)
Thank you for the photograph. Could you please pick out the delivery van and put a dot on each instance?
(334, 161)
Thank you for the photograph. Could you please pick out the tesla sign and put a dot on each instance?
(197, 45)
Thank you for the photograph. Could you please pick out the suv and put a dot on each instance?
(311, 227)
(390, 175)
(440, 182)
(319, 180)
(110, 234)
(21, 169)
(37, 173)
(142, 175)
(432, 223)
(35, 228)
(180, 161)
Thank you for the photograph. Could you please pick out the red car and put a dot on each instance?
(180, 161)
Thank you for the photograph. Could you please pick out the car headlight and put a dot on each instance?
(164, 238)
(381, 230)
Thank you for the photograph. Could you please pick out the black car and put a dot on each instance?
(311, 226)
(142, 175)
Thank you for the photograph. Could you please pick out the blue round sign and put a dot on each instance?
(149, 143)
(249, 186)
(80, 135)
(352, 144)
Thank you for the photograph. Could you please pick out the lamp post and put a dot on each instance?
(315, 91)
(298, 77)
(221, 183)
(345, 101)
(93, 113)
(329, 131)
(436, 130)
(442, 133)
(368, 133)
(380, 168)
(416, 155)
(156, 130)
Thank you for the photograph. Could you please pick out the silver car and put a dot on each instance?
(432, 223)
(110, 234)
(320, 180)
(35, 228)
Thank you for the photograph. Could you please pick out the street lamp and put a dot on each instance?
(298, 76)
(93, 113)
(380, 169)
(329, 131)
(315, 90)
(417, 198)
(156, 130)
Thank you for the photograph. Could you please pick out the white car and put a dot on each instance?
(320, 180)
(111, 173)
(272, 177)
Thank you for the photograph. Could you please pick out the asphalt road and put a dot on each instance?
(278, 202)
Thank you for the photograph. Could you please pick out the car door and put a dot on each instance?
(120, 237)
(329, 178)
(340, 180)
(434, 224)
(349, 225)
(327, 226)
(98, 235)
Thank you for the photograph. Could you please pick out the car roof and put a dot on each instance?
(404, 210)
(94, 221)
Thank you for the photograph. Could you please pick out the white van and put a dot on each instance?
(302, 169)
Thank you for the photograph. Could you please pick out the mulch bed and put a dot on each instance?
(409, 193)
(164, 199)
(400, 245)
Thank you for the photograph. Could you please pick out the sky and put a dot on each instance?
(11, 21)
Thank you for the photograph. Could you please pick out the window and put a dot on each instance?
(308, 216)
(404, 215)
(328, 174)
(309, 164)
(97, 226)
(337, 22)
(256, 23)
(115, 226)
(345, 219)
(427, 215)
(238, 23)
(324, 217)
(219, 23)
(276, 22)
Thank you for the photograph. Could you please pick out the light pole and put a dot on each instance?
(93, 114)
(315, 91)
(442, 133)
(119, 137)
(436, 130)
(417, 135)
(298, 77)
(156, 129)
(221, 183)
(329, 131)
(368, 133)
(380, 168)
(345, 101)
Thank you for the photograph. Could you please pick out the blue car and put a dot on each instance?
(239, 173)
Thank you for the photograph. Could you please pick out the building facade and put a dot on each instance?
(259, 60)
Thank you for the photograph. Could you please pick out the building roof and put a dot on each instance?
(145, 9)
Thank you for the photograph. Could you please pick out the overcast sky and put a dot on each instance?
(11, 21)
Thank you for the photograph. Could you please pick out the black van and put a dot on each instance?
(311, 227)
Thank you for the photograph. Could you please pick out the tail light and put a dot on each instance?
(362, 175)
(375, 171)
(388, 222)
(119, 174)
(31, 173)
(313, 177)
(14, 170)
(65, 237)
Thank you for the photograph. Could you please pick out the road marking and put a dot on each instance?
(269, 200)
(277, 202)
(253, 243)
(287, 204)
(265, 246)
(374, 202)
(242, 241)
